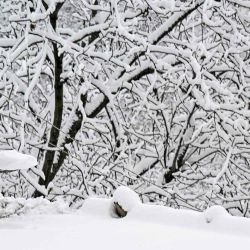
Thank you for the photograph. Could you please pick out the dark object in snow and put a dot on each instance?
(119, 210)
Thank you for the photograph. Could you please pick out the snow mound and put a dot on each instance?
(151, 227)
(126, 198)
(214, 213)
(97, 206)
(150, 214)
(12, 160)
(18, 206)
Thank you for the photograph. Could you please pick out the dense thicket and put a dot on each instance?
(150, 94)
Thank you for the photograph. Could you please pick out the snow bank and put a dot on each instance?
(18, 206)
(126, 198)
(215, 213)
(99, 207)
(214, 219)
(146, 227)
(12, 160)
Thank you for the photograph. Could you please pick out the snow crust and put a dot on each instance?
(126, 198)
(12, 160)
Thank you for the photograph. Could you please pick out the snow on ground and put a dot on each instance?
(13, 160)
(146, 227)
(12, 206)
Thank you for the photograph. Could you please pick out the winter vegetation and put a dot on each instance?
(153, 95)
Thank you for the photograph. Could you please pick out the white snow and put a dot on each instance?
(146, 227)
(215, 213)
(17, 206)
(13, 160)
(126, 198)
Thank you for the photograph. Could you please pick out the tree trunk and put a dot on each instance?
(48, 166)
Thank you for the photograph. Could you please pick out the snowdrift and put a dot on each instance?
(214, 219)
(145, 227)
(10, 206)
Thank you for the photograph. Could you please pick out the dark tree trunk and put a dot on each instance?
(48, 167)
